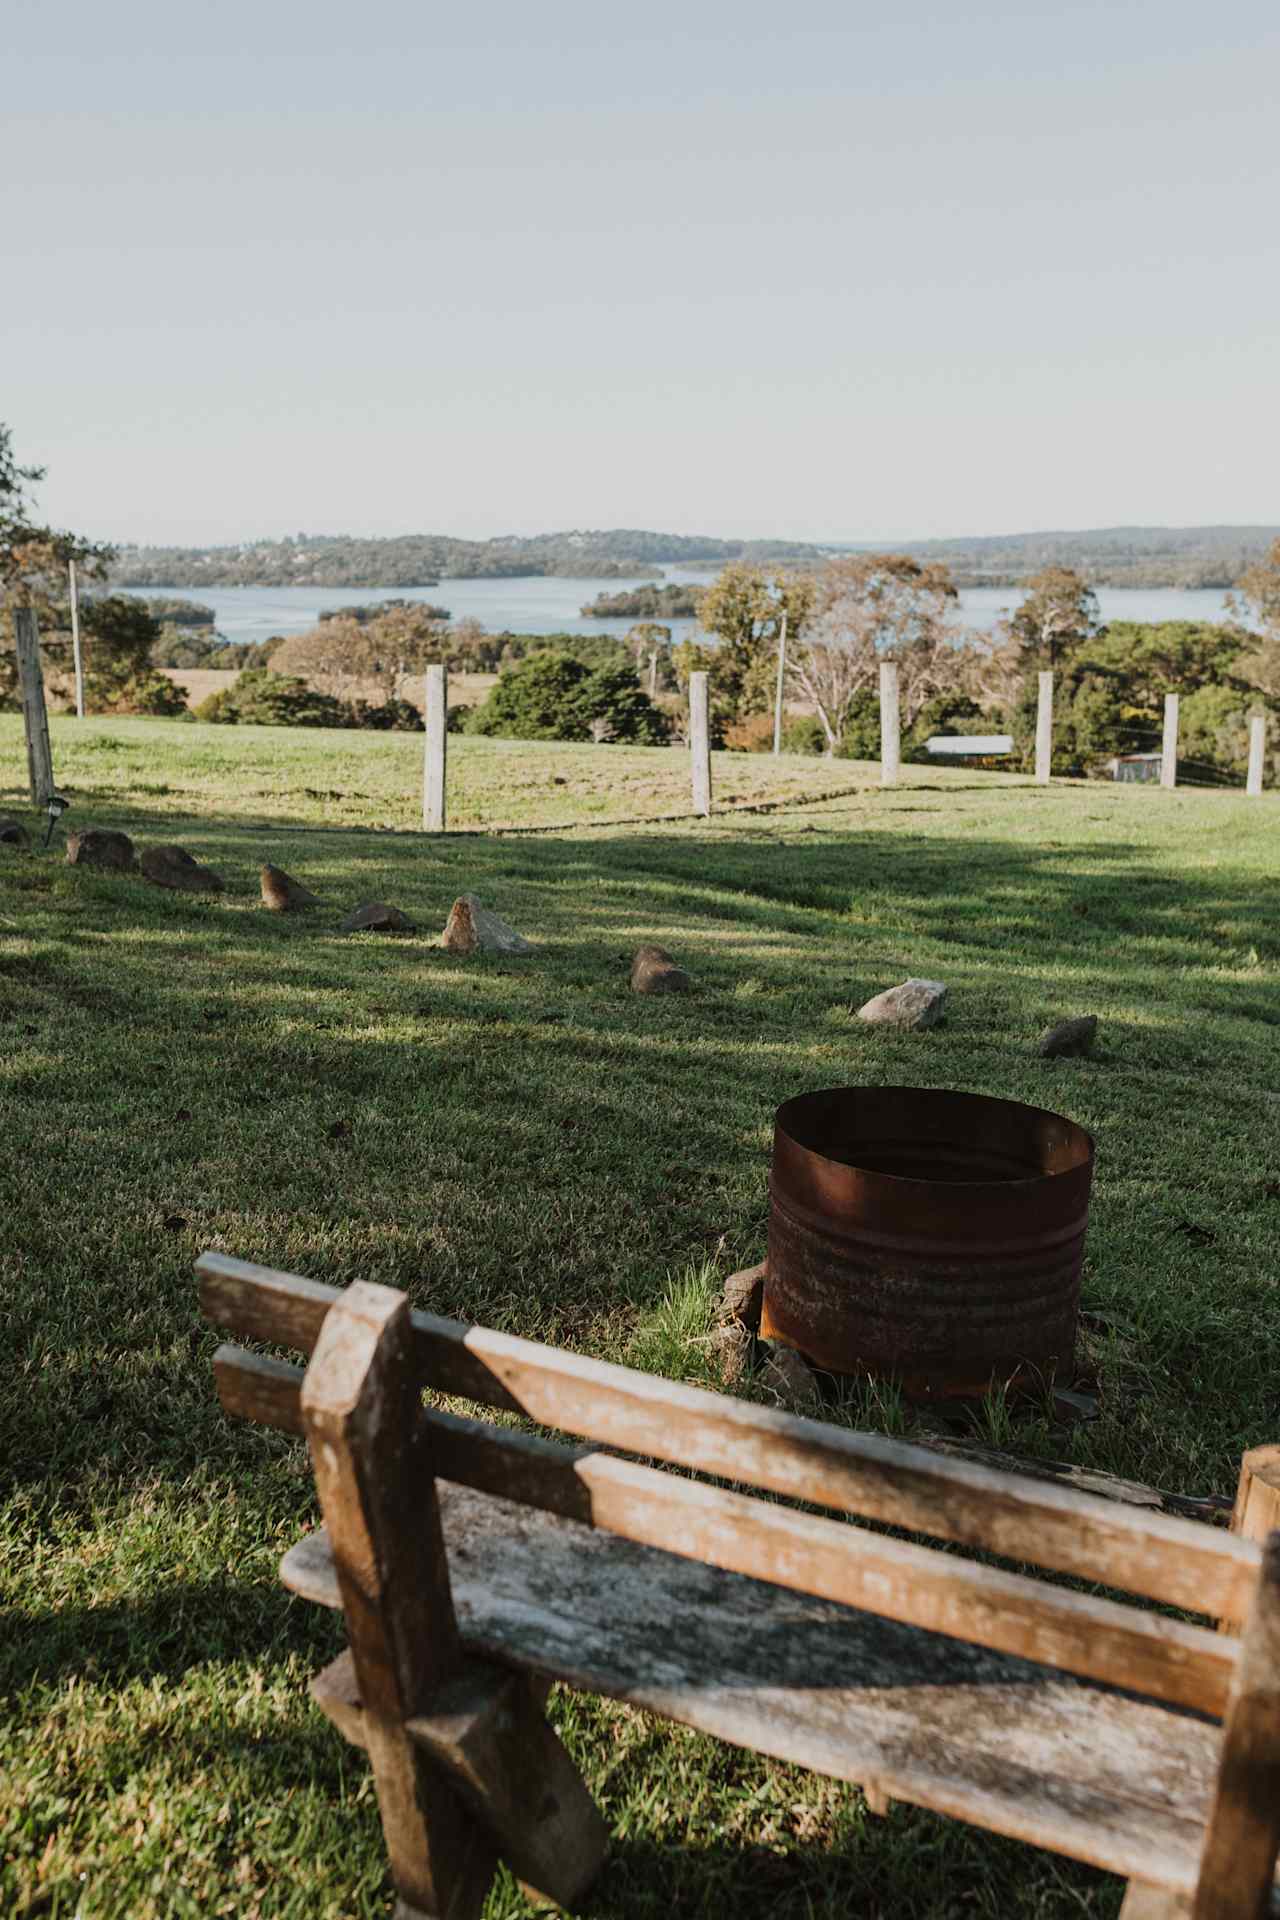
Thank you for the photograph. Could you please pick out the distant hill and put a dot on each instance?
(1107, 556)
(423, 559)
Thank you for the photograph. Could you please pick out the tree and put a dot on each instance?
(1060, 611)
(33, 566)
(868, 608)
(743, 608)
(119, 636)
(353, 657)
(1257, 594)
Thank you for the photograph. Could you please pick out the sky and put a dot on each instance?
(829, 270)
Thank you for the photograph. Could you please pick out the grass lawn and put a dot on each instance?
(528, 1144)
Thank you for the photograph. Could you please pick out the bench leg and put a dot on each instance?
(1145, 1902)
(361, 1408)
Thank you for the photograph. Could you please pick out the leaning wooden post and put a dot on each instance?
(1169, 746)
(1242, 1834)
(890, 725)
(75, 638)
(361, 1405)
(1257, 749)
(700, 744)
(437, 719)
(35, 715)
(1257, 1508)
(782, 673)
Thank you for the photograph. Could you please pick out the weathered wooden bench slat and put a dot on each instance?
(1177, 1562)
(1079, 1633)
(1060, 1763)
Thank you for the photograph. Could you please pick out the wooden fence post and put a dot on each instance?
(75, 638)
(1169, 746)
(782, 674)
(1044, 730)
(35, 717)
(437, 719)
(1257, 749)
(700, 744)
(890, 730)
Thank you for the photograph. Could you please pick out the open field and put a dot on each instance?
(465, 689)
(526, 1143)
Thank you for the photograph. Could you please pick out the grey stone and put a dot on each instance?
(654, 971)
(170, 866)
(283, 894)
(374, 916)
(731, 1344)
(472, 928)
(100, 847)
(915, 1003)
(1069, 1037)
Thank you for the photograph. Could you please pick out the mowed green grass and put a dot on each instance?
(528, 1144)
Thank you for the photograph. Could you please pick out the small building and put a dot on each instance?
(1135, 766)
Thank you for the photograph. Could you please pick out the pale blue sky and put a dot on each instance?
(822, 270)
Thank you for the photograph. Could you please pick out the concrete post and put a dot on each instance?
(890, 728)
(434, 759)
(1044, 730)
(1169, 746)
(700, 744)
(1257, 751)
(75, 637)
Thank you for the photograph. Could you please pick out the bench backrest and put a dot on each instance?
(1178, 1563)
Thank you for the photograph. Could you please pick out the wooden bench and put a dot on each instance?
(476, 1563)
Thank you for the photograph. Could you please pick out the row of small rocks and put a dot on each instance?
(917, 1004)
(165, 866)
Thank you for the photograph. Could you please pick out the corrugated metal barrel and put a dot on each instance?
(934, 1236)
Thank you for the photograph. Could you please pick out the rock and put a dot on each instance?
(1068, 1037)
(13, 833)
(654, 971)
(283, 894)
(916, 1003)
(743, 1298)
(174, 867)
(375, 917)
(472, 928)
(100, 847)
(787, 1372)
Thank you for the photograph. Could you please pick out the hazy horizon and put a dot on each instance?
(865, 268)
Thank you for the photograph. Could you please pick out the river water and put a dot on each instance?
(553, 605)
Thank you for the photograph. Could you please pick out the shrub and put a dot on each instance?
(389, 716)
(753, 735)
(803, 734)
(552, 696)
(262, 698)
(152, 693)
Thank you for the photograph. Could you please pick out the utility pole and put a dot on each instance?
(782, 669)
(75, 638)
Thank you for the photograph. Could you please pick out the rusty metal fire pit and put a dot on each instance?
(937, 1237)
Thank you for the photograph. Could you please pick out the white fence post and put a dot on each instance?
(75, 638)
(35, 716)
(890, 728)
(700, 743)
(782, 674)
(437, 719)
(1169, 747)
(1044, 730)
(1257, 749)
